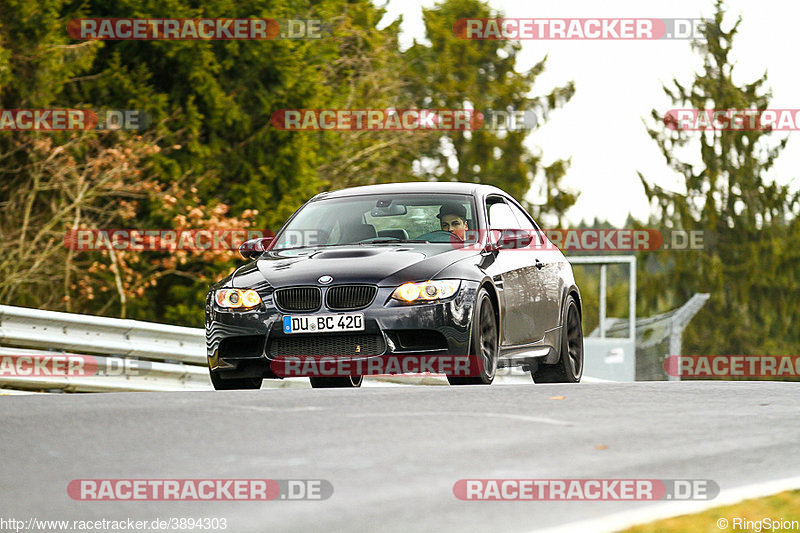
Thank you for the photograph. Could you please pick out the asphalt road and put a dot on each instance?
(393, 454)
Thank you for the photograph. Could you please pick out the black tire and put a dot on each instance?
(483, 344)
(221, 383)
(569, 367)
(336, 383)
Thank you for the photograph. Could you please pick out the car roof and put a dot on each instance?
(454, 187)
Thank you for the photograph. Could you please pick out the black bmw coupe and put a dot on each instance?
(399, 271)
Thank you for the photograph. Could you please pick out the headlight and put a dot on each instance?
(237, 298)
(426, 291)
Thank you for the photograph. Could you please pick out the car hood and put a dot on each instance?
(376, 264)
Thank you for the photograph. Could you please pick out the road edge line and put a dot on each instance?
(626, 519)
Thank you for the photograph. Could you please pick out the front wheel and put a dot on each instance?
(221, 383)
(336, 383)
(569, 367)
(483, 345)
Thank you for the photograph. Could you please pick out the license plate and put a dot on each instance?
(323, 323)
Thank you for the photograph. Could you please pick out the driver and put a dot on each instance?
(453, 217)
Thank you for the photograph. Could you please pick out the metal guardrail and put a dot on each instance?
(98, 373)
(125, 355)
(21, 326)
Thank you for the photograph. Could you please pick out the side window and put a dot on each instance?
(500, 215)
(522, 218)
(525, 222)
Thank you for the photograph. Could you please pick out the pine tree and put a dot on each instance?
(452, 73)
(749, 264)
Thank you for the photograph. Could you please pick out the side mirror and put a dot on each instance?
(513, 239)
(253, 248)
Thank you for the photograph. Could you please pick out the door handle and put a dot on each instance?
(538, 264)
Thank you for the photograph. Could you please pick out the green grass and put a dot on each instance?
(782, 506)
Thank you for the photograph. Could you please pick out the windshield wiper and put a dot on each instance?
(377, 241)
(309, 246)
(391, 241)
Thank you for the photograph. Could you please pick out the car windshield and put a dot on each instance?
(381, 219)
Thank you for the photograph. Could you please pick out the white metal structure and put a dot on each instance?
(611, 358)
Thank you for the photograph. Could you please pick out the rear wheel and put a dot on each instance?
(483, 345)
(221, 383)
(569, 367)
(336, 383)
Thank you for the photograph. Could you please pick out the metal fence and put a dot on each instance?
(657, 337)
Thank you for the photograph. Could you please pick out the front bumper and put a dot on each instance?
(243, 344)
